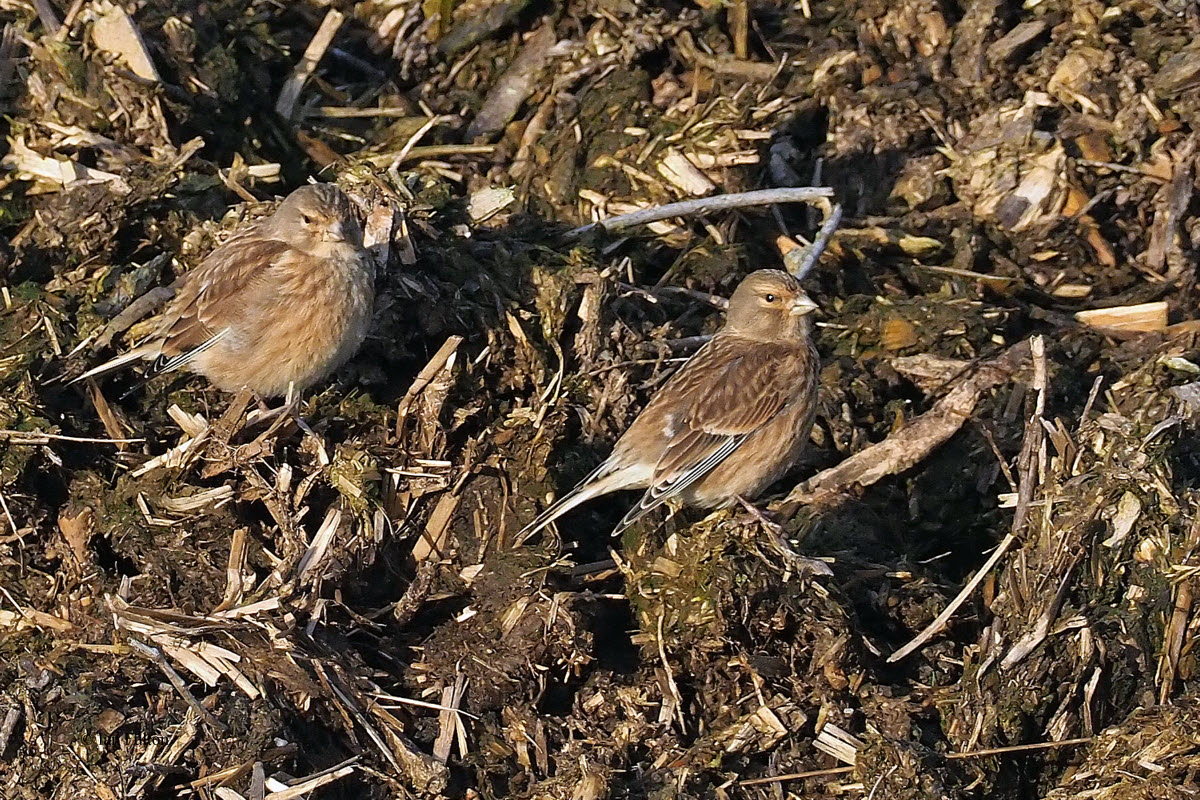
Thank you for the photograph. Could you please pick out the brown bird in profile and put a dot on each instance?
(287, 301)
(731, 422)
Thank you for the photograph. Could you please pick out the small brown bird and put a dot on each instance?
(731, 422)
(286, 301)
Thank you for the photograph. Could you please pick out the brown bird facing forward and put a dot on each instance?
(730, 422)
(286, 301)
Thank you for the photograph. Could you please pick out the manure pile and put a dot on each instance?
(980, 582)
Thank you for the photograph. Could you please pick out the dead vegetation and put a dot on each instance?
(203, 597)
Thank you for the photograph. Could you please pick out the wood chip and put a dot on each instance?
(432, 542)
(77, 528)
(114, 32)
(1071, 291)
(487, 203)
(1129, 508)
(1138, 318)
(1040, 194)
(1094, 146)
(187, 504)
(426, 375)
(113, 425)
(839, 743)
(235, 569)
(684, 175)
(28, 618)
(738, 158)
(190, 661)
(59, 171)
(306, 786)
(223, 660)
(898, 333)
(1007, 46)
(320, 544)
(192, 424)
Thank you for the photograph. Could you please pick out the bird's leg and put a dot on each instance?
(807, 566)
(291, 407)
(670, 523)
(265, 411)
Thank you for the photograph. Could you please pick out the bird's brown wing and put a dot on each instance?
(725, 393)
(200, 314)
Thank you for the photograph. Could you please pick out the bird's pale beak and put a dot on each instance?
(336, 232)
(802, 305)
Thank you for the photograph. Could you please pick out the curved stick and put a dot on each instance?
(807, 257)
(705, 205)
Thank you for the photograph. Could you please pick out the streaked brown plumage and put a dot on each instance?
(288, 300)
(731, 422)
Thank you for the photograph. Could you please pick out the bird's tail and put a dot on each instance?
(594, 485)
(136, 354)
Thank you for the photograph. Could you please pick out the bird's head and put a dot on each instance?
(770, 305)
(316, 216)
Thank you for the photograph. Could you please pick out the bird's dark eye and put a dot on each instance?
(770, 298)
(309, 219)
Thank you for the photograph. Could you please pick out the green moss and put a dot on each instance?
(355, 475)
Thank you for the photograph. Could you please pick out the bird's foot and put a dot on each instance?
(759, 515)
(775, 535)
(267, 413)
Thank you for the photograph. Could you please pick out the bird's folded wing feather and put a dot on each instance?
(724, 394)
(202, 311)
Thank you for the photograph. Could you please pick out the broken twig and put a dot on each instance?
(285, 106)
(908, 446)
